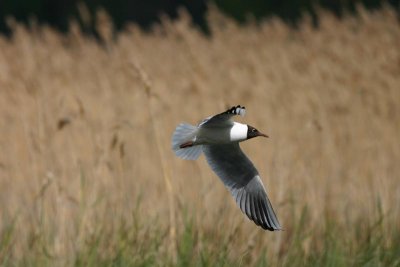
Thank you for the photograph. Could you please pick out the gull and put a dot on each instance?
(218, 138)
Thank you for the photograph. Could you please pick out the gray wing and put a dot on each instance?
(224, 118)
(243, 181)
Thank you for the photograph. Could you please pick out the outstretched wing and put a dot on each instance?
(243, 181)
(224, 118)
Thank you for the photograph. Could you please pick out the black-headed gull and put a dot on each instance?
(218, 137)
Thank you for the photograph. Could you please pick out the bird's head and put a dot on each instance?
(253, 132)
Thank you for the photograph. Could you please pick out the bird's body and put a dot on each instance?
(221, 135)
(218, 138)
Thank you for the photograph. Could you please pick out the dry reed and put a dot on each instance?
(80, 138)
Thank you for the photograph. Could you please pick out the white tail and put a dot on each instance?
(185, 133)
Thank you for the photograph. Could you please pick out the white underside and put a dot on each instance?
(238, 132)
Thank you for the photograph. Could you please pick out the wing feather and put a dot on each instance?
(263, 213)
(224, 118)
(247, 211)
(254, 214)
(243, 181)
(259, 211)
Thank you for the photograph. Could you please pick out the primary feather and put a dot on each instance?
(243, 181)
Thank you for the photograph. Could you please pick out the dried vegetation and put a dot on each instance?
(87, 176)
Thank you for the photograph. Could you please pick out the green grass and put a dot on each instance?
(141, 244)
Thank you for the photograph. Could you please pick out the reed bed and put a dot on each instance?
(88, 178)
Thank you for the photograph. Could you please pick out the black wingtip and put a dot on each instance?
(235, 110)
(263, 213)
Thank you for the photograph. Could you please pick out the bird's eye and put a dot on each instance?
(254, 130)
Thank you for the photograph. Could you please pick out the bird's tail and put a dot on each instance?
(182, 142)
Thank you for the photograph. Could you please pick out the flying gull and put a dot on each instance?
(218, 138)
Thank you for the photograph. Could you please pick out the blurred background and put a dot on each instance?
(91, 92)
(58, 13)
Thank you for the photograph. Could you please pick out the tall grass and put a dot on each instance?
(87, 176)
